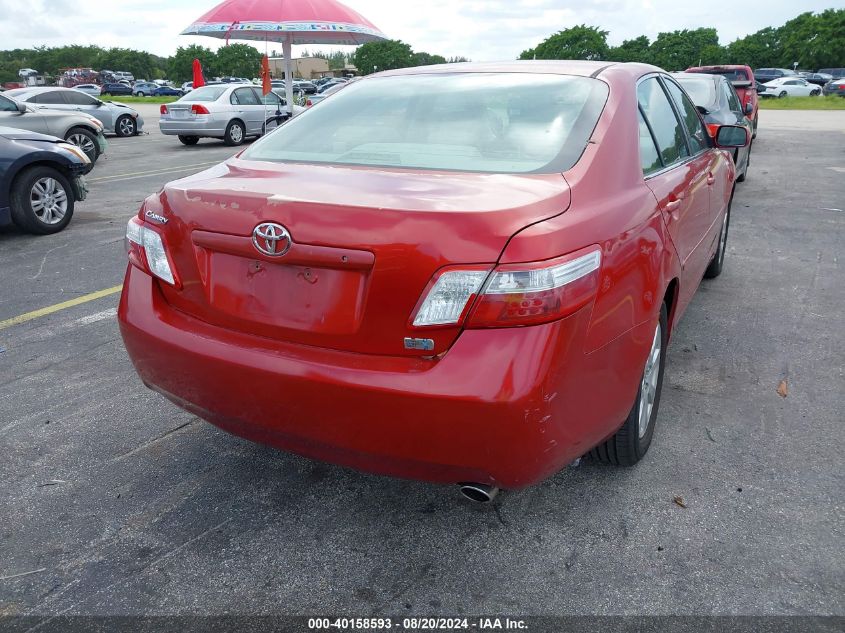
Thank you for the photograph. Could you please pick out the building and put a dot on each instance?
(303, 67)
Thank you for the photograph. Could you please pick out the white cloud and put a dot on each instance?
(479, 29)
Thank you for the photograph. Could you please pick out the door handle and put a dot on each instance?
(711, 178)
(672, 206)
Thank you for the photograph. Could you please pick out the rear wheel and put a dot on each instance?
(632, 441)
(86, 141)
(235, 134)
(189, 140)
(782, 94)
(718, 261)
(42, 200)
(816, 92)
(754, 127)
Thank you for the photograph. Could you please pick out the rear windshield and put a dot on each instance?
(701, 91)
(475, 122)
(729, 74)
(206, 93)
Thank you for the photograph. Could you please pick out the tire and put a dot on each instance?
(754, 127)
(126, 126)
(631, 442)
(189, 140)
(42, 200)
(815, 93)
(718, 261)
(235, 134)
(741, 177)
(138, 94)
(782, 94)
(86, 141)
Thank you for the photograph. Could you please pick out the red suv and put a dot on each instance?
(742, 78)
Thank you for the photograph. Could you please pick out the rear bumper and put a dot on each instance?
(506, 407)
(210, 127)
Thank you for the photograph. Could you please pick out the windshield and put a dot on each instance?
(206, 93)
(701, 91)
(477, 122)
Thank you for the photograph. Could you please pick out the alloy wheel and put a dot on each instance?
(48, 200)
(236, 134)
(648, 387)
(126, 126)
(82, 142)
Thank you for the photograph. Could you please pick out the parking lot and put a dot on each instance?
(116, 502)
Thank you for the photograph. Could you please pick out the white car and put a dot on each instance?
(89, 89)
(187, 86)
(790, 87)
(231, 112)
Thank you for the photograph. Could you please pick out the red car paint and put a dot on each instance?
(316, 366)
(742, 78)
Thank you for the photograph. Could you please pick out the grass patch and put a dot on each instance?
(831, 102)
(155, 100)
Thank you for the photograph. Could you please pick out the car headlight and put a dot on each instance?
(73, 149)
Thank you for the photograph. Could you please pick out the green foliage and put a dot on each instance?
(813, 40)
(635, 50)
(831, 102)
(578, 42)
(181, 66)
(385, 55)
(337, 60)
(239, 60)
(51, 61)
(679, 50)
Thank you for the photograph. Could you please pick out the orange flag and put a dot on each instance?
(266, 86)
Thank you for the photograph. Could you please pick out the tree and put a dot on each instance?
(679, 50)
(425, 59)
(239, 60)
(383, 55)
(579, 42)
(181, 66)
(635, 50)
(814, 41)
(759, 49)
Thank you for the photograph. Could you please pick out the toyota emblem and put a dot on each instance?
(271, 239)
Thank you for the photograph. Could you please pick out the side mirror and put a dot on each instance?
(731, 136)
(22, 108)
(749, 108)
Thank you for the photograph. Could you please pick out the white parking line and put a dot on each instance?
(155, 172)
(99, 316)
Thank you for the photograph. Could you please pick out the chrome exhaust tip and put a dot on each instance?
(480, 493)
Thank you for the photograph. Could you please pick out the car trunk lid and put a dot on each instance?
(364, 246)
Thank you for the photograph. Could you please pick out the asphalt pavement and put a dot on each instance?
(113, 501)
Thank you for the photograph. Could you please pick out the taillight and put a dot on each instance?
(163, 109)
(512, 295)
(146, 250)
(199, 109)
(530, 294)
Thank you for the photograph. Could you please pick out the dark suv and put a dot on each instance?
(764, 75)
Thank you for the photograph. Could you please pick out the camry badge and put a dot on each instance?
(271, 239)
(155, 217)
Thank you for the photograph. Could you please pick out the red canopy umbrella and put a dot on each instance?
(287, 21)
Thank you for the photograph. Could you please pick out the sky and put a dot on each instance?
(481, 30)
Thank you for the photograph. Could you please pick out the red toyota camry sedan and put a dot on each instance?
(465, 273)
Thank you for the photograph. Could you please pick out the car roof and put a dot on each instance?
(555, 67)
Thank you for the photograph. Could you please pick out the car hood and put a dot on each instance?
(14, 134)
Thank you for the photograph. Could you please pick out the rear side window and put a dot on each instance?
(79, 98)
(53, 96)
(733, 100)
(648, 150)
(668, 131)
(244, 96)
(695, 127)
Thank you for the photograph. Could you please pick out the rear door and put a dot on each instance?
(249, 108)
(682, 177)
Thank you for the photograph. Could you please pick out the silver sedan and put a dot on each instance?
(116, 118)
(231, 112)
